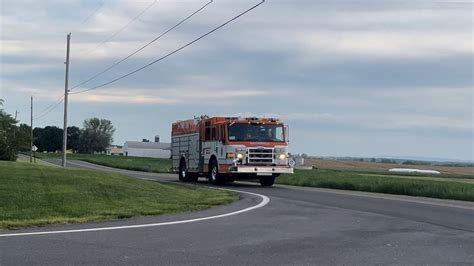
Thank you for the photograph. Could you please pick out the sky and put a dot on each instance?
(350, 78)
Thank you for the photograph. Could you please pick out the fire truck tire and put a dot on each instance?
(267, 181)
(213, 175)
(186, 176)
(182, 171)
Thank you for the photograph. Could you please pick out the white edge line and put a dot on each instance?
(265, 201)
(375, 195)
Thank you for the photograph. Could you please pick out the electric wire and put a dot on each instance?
(49, 106)
(93, 13)
(56, 103)
(174, 51)
(49, 109)
(120, 30)
(144, 46)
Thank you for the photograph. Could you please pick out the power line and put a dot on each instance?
(56, 103)
(174, 51)
(121, 29)
(143, 47)
(93, 13)
(54, 106)
(49, 108)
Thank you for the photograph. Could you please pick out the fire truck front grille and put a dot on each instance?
(260, 156)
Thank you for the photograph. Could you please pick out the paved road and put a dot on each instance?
(297, 227)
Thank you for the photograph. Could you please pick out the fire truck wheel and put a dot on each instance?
(213, 174)
(267, 181)
(182, 171)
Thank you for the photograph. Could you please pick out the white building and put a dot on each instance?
(114, 150)
(147, 149)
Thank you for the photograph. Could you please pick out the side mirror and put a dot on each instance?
(287, 134)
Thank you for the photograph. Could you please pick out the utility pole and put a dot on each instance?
(66, 92)
(31, 132)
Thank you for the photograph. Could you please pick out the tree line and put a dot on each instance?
(9, 135)
(94, 136)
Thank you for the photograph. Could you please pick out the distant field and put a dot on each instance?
(369, 166)
(123, 162)
(444, 188)
(33, 195)
(454, 183)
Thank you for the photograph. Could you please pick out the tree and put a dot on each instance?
(97, 135)
(384, 160)
(37, 136)
(73, 138)
(8, 142)
(48, 139)
(23, 137)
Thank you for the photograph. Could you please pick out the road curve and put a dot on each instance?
(299, 226)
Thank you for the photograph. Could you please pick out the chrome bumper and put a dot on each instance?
(262, 170)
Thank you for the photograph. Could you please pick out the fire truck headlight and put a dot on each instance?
(240, 156)
(282, 156)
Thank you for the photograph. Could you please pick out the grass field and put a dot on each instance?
(32, 195)
(123, 162)
(372, 166)
(390, 184)
(454, 183)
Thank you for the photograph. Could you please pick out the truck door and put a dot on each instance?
(214, 146)
(204, 144)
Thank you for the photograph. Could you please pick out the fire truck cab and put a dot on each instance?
(229, 148)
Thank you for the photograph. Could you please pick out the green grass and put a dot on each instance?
(390, 184)
(32, 195)
(445, 186)
(123, 162)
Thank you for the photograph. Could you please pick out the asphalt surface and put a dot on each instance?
(297, 227)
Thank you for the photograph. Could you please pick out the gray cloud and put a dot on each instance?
(343, 73)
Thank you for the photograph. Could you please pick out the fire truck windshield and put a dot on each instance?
(254, 132)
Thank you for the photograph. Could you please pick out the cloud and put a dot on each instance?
(407, 121)
(375, 121)
(396, 44)
(168, 96)
(41, 92)
(20, 68)
(458, 99)
(315, 46)
(370, 69)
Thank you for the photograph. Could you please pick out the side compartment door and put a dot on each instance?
(202, 148)
(194, 154)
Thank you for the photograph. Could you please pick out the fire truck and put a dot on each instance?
(228, 148)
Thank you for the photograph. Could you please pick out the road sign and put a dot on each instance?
(34, 148)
